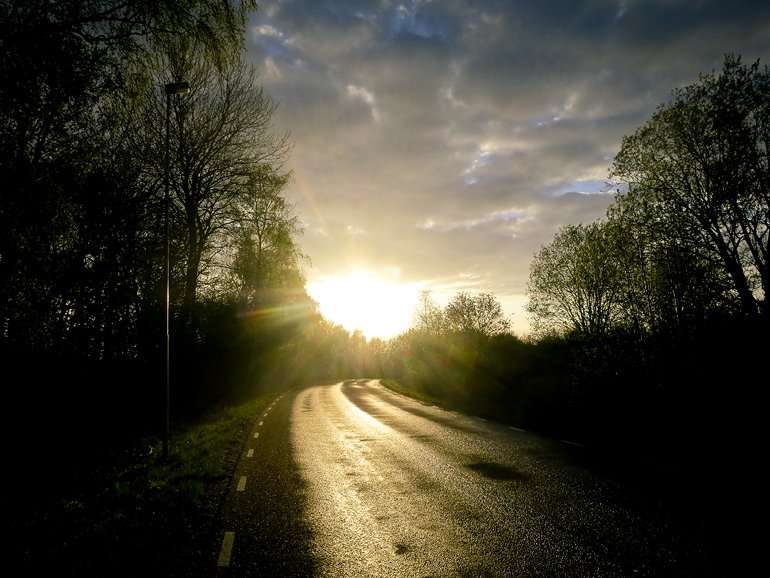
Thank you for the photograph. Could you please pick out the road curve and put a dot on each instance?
(387, 486)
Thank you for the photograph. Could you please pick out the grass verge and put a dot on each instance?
(139, 513)
(417, 394)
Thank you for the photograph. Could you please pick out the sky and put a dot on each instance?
(440, 144)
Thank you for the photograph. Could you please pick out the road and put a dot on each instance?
(352, 479)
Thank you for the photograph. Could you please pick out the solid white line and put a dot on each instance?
(250, 453)
(517, 429)
(256, 434)
(241, 484)
(572, 443)
(227, 550)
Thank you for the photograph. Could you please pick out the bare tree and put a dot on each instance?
(223, 140)
(428, 316)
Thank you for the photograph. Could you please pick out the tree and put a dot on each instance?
(575, 281)
(669, 283)
(481, 314)
(222, 144)
(267, 259)
(704, 156)
(74, 238)
(428, 316)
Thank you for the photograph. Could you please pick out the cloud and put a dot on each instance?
(459, 135)
(507, 219)
(361, 93)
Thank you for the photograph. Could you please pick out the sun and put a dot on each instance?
(366, 302)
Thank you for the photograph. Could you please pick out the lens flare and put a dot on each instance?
(366, 302)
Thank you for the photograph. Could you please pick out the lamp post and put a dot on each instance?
(173, 88)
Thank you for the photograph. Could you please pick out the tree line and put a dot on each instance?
(82, 235)
(690, 239)
(657, 312)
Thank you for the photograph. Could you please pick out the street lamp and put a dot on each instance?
(173, 88)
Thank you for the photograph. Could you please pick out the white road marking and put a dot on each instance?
(481, 418)
(572, 443)
(250, 453)
(256, 434)
(260, 423)
(517, 429)
(227, 550)
(241, 484)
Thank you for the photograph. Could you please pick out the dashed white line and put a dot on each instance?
(250, 453)
(241, 484)
(227, 550)
(260, 423)
(517, 429)
(256, 434)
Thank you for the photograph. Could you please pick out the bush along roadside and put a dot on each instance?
(139, 513)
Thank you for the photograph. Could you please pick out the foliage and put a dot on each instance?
(136, 509)
(428, 316)
(575, 281)
(267, 263)
(702, 160)
(224, 153)
(79, 217)
(481, 313)
(654, 314)
(689, 240)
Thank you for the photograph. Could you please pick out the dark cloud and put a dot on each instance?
(451, 139)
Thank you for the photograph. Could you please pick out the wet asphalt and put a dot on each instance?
(352, 479)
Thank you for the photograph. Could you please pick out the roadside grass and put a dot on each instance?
(450, 402)
(139, 514)
(415, 393)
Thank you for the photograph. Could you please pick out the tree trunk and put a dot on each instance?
(748, 303)
(194, 252)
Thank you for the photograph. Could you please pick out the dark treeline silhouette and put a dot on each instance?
(82, 254)
(651, 324)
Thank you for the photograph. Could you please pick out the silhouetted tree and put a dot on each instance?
(669, 283)
(266, 258)
(705, 156)
(223, 145)
(428, 316)
(575, 281)
(74, 251)
(481, 313)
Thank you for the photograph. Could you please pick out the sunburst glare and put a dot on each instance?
(364, 301)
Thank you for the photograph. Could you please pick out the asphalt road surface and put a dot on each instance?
(352, 479)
